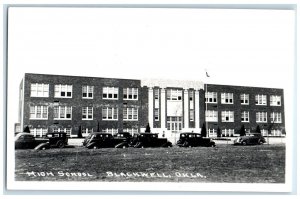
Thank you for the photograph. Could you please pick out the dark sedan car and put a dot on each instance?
(142, 140)
(106, 140)
(250, 139)
(27, 141)
(194, 140)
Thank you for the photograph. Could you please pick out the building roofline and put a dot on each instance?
(245, 86)
(81, 76)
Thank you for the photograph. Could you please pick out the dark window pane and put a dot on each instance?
(90, 94)
(104, 95)
(69, 94)
(68, 115)
(115, 95)
(62, 94)
(109, 95)
(83, 94)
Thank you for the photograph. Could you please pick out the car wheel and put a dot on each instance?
(244, 143)
(185, 144)
(260, 142)
(60, 144)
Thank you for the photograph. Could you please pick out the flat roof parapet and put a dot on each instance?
(167, 83)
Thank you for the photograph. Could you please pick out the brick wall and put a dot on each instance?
(77, 102)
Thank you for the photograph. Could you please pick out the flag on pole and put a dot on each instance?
(207, 74)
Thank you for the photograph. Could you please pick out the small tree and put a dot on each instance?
(148, 130)
(79, 134)
(26, 129)
(203, 130)
(258, 129)
(242, 131)
(219, 132)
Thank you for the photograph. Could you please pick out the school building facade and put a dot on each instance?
(80, 105)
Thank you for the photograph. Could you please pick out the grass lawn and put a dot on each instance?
(224, 163)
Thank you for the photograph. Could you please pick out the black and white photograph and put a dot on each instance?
(157, 98)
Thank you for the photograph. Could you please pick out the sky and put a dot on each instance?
(236, 47)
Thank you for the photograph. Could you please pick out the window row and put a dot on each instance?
(66, 91)
(41, 132)
(231, 132)
(227, 98)
(65, 113)
(228, 116)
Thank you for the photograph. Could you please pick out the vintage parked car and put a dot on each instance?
(250, 139)
(123, 139)
(52, 140)
(142, 140)
(27, 141)
(106, 140)
(57, 139)
(194, 140)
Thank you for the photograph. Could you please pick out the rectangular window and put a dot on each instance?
(227, 132)
(245, 116)
(276, 132)
(261, 117)
(227, 116)
(132, 131)
(86, 131)
(62, 112)
(191, 99)
(87, 113)
(63, 91)
(210, 97)
(130, 93)
(276, 117)
(110, 93)
(156, 114)
(245, 99)
(39, 90)
(39, 132)
(192, 115)
(211, 116)
(63, 130)
(227, 98)
(130, 114)
(260, 99)
(275, 100)
(174, 95)
(39, 112)
(110, 130)
(87, 92)
(212, 132)
(109, 113)
(156, 93)
(156, 98)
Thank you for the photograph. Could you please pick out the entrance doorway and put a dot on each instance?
(174, 124)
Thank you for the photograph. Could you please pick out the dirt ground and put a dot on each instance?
(224, 163)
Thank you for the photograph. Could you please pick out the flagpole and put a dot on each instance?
(206, 102)
(207, 135)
